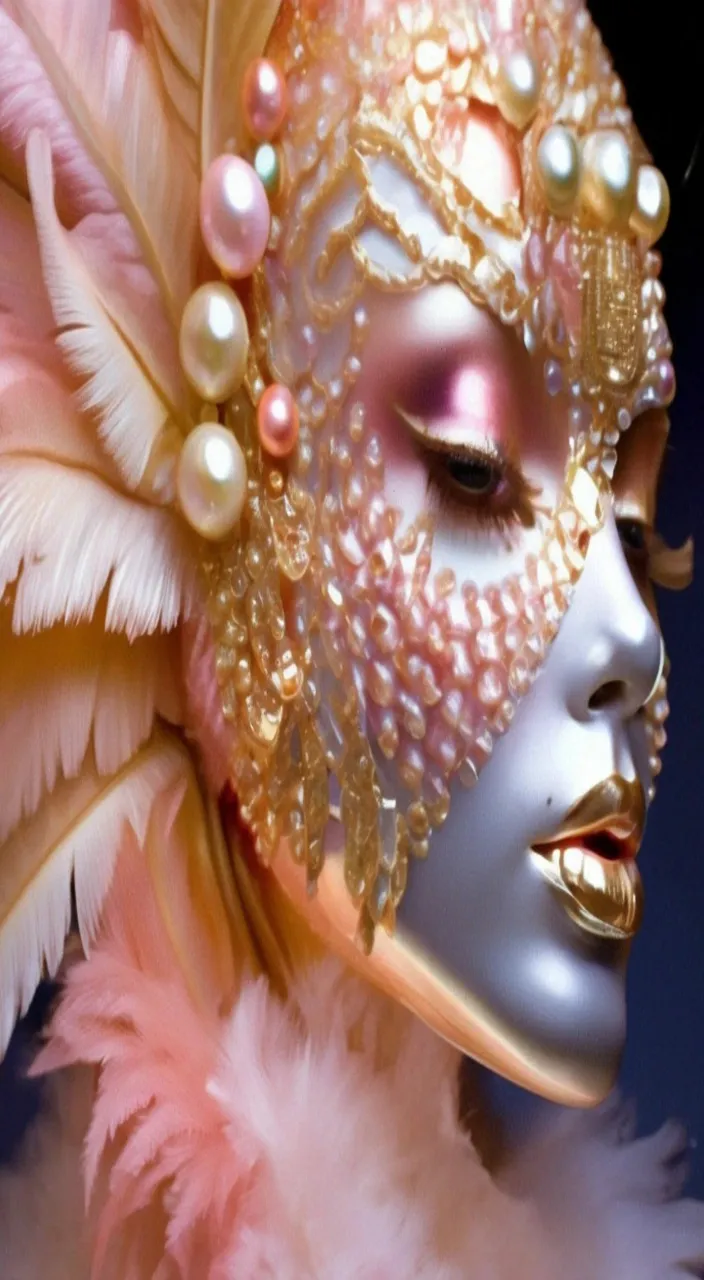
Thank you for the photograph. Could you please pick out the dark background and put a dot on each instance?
(660, 56)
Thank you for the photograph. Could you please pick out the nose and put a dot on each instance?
(619, 642)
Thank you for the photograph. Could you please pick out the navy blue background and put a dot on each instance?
(662, 62)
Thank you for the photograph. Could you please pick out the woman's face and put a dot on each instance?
(466, 549)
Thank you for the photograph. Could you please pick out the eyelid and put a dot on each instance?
(486, 448)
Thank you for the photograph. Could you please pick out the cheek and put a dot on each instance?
(439, 659)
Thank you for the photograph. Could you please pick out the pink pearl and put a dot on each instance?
(265, 99)
(234, 216)
(277, 421)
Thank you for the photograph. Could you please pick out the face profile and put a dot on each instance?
(477, 660)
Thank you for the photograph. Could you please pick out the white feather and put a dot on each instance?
(73, 839)
(70, 689)
(119, 386)
(66, 537)
(106, 85)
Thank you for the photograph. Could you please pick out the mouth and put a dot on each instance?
(590, 861)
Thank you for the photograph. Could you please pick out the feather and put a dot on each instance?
(66, 537)
(105, 84)
(27, 102)
(75, 836)
(70, 690)
(22, 292)
(236, 32)
(202, 49)
(133, 411)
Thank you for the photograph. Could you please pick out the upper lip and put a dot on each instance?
(609, 820)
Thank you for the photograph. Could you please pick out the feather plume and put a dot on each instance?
(66, 537)
(202, 49)
(133, 410)
(27, 102)
(104, 82)
(70, 690)
(236, 32)
(74, 837)
(22, 292)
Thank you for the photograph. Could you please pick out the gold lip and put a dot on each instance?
(603, 896)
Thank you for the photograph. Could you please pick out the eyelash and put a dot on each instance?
(503, 513)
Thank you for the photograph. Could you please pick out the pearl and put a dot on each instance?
(650, 216)
(264, 99)
(211, 481)
(559, 166)
(609, 178)
(267, 166)
(234, 216)
(214, 341)
(277, 421)
(518, 87)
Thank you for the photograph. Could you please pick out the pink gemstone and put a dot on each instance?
(235, 217)
(264, 99)
(277, 421)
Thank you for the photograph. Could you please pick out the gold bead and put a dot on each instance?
(517, 87)
(608, 186)
(211, 481)
(652, 211)
(214, 342)
(559, 166)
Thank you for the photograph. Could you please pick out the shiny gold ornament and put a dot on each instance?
(214, 342)
(603, 898)
(211, 481)
(517, 87)
(608, 187)
(652, 210)
(559, 167)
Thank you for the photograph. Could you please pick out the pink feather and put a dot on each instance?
(27, 102)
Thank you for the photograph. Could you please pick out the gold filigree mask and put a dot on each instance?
(359, 674)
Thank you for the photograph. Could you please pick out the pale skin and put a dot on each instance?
(483, 951)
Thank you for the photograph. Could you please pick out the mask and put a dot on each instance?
(455, 334)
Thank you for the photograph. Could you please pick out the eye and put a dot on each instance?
(634, 535)
(478, 476)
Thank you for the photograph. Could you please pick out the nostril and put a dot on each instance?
(609, 694)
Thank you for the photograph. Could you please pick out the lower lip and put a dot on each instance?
(603, 897)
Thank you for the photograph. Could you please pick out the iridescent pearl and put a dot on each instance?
(277, 421)
(650, 216)
(214, 341)
(211, 481)
(234, 216)
(518, 87)
(558, 162)
(608, 186)
(267, 166)
(264, 99)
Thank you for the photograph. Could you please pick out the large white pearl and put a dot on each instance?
(518, 87)
(211, 481)
(558, 162)
(650, 216)
(214, 342)
(608, 176)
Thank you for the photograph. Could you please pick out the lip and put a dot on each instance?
(590, 860)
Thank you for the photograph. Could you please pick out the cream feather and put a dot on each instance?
(73, 839)
(131, 407)
(105, 84)
(69, 690)
(66, 537)
(202, 49)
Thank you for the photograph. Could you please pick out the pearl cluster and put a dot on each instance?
(214, 341)
(597, 176)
